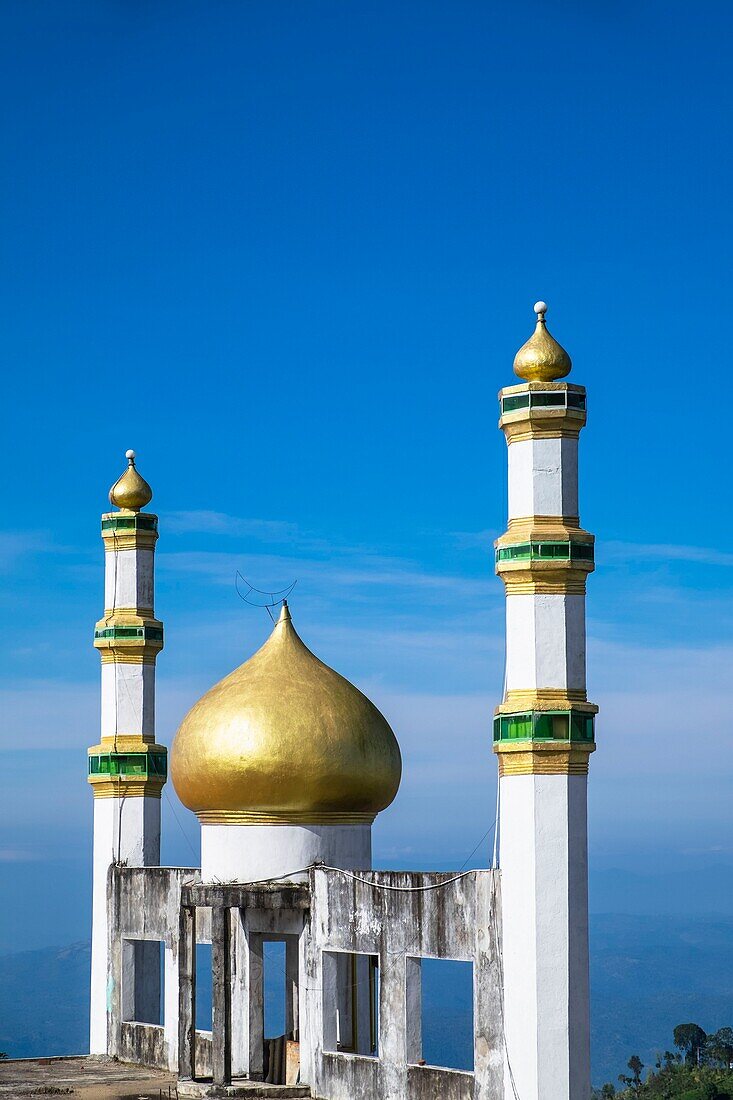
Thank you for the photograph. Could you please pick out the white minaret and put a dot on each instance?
(127, 769)
(543, 733)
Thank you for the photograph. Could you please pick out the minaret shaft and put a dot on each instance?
(544, 734)
(126, 769)
(543, 478)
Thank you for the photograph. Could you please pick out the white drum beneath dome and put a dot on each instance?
(255, 853)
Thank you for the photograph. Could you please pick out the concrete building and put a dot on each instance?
(286, 764)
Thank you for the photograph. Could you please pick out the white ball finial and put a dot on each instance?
(130, 455)
(540, 307)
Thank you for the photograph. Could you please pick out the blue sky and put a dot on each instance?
(287, 251)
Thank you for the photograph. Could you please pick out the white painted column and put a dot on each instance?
(544, 890)
(126, 830)
(545, 641)
(170, 1006)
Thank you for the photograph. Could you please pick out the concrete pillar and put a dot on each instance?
(221, 1024)
(187, 994)
(170, 1006)
(488, 1045)
(413, 1013)
(329, 1001)
(310, 1008)
(240, 995)
(392, 1020)
(292, 981)
(256, 1002)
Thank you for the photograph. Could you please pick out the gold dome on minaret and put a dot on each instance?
(541, 359)
(130, 492)
(285, 739)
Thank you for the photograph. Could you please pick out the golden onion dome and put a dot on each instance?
(285, 739)
(541, 359)
(130, 492)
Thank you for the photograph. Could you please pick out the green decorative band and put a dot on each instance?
(550, 399)
(564, 550)
(545, 725)
(140, 521)
(144, 765)
(129, 633)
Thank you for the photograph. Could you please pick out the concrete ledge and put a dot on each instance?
(193, 1090)
(263, 895)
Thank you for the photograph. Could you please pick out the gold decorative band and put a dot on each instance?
(127, 742)
(118, 657)
(562, 578)
(539, 387)
(521, 699)
(129, 614)
(118, 786)
(543, 758)
(130, 540)
(518, 587)
(519, 433)
(543, 523)
(283, 817)
(545, 529)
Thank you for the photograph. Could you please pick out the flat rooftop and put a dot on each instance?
(108, 1079)
(84, 1078)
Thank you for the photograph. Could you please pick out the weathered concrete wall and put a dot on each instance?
(459, 920)
(456, 920)
(143, 903)
(203, 1054)
(144, 1043)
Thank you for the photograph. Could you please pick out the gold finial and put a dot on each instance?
(541, 359)
(130, 492)
(284, 616)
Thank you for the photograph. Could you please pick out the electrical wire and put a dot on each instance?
(178, 822)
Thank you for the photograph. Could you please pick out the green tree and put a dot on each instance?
(608, 1091)
(719, 1047)
(636, 1065)
(690, 1039)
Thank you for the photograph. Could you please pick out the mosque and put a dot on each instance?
(286, 765)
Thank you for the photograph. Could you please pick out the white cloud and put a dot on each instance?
(20, 855)
(220, 523)
(276, 571)
(664, 552)
(16, 545)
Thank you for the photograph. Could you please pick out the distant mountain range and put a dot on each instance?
(648, 974)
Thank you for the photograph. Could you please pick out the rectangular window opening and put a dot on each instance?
(273, 957)
(143, 982)
(551, 399)
(204, 986)
(440, 1024)
(351, 1003)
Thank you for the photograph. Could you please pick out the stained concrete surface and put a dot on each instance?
(84, 1078)
(108, 1079)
